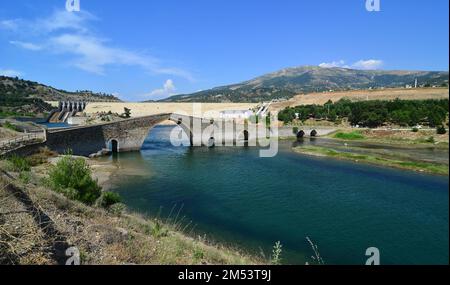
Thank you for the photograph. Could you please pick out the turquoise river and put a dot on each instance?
(234, 197)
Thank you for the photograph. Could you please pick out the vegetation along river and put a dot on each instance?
(237, 198)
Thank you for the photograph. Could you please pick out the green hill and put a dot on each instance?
(20, 97)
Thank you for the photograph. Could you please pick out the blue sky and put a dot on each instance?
(141, 49)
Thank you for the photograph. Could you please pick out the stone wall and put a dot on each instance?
(130, 135)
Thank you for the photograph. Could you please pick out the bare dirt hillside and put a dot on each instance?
(359, 95)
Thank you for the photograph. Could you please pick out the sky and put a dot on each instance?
(151, 49)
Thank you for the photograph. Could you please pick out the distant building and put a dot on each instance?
(236, 114)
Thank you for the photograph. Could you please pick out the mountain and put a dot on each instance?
(288, 82)
(20, 97)
(15, 87)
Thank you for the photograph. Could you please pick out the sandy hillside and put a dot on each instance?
(357, 95)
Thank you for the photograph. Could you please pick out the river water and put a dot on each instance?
(233, 196)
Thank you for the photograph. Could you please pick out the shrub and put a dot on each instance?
(295, 130)
(19, 164)
(107, 199)
(25, 177)
(430, 140)
(72, 177)
(441, 130)
(276, 253)
(117, 209)
(415, 130)
(10, 126)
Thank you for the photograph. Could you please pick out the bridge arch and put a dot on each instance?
(113, 146)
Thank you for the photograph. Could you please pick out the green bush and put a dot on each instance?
(107, 199)
(415, 130)
(73, 177)
(430, 140)
(441, 130)
(10, 126)
(295, 130)
(19, 164)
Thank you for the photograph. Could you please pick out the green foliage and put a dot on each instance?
(198, 254)
(127, 113)
(276, 253)
(158, 230)
(355, 135)
(430, 140)
(373, 113)
(117, 209)
(441, 130)
(107, 199)
(8, 125)
(415, 130)
(295, 130)
(25, 177)
(72, 177)
(19, 164)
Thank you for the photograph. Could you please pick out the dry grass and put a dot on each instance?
(7, 134)
(360, 95)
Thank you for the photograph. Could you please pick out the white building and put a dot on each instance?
(236, 114)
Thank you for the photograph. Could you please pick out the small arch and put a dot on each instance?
(211, 142)
(301, 134)
(113, 146)
(246, 135)
(314, 133)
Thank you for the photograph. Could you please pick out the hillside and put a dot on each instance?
(10, 86)
(287, 83)
(20, 97)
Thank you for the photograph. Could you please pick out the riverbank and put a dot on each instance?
(102, 236)
(389, 148)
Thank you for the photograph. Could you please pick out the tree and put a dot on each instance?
(441, 130)
(127, 113)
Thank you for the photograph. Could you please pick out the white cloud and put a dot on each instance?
(69, 33)
(25, 45)
(11, 25)
(10, 73)
(167, 90)
(368, 64)
(361, 64)
(339, 63)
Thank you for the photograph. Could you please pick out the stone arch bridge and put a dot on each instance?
(129, 134)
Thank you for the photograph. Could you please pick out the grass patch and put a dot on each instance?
(8, 125)
(396, 162)
(18, 164)
(355, 135)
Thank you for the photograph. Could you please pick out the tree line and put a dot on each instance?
(372, 114)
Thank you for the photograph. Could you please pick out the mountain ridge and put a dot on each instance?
(291, 81)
